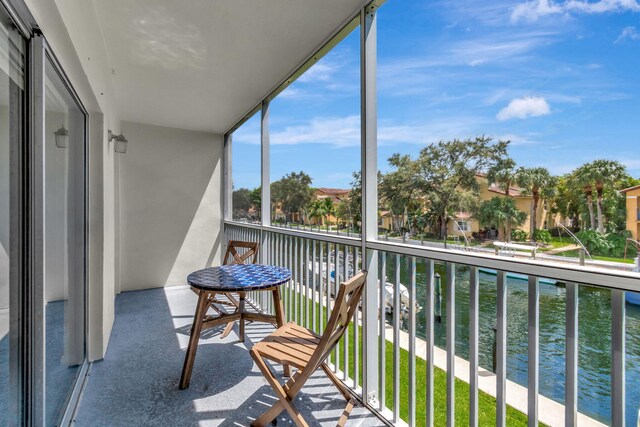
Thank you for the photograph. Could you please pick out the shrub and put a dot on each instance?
(542, 236)
(617, 246)
(595, 242)
(519, 235)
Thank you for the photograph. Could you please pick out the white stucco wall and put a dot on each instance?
(70, 29)
(170, 205)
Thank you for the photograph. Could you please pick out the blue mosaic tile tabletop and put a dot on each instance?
(239, 277)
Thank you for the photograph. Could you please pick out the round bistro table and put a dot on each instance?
(237, 279)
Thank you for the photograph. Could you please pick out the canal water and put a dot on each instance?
(594, 360)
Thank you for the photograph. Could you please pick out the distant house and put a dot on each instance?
(464, 223)
(633, 210)
(336, 195)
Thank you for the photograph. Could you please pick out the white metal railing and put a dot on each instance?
(321, 261)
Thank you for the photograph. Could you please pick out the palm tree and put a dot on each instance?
(599, 174)
(539, 183)
(316, 210)
(502, 213)
(503, 173)
(329, 209)
(581, 179)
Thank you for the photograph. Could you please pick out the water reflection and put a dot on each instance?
(594, 381)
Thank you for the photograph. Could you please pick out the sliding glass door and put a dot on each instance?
(64, 244)
(12, 94)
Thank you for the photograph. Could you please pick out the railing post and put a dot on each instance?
(369, 175)
(618, 358)
(533, 353)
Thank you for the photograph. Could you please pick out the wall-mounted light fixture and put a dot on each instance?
(62, 137)
(120, 144)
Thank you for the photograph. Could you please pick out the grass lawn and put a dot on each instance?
(576, 254)
(558, 242)
(486, 404)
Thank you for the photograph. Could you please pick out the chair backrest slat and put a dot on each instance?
(233, 256)
(346, 304)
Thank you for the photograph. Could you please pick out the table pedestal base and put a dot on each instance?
(202, 321)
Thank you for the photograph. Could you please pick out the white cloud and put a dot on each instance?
(628, 33)
(533, 10)
(521, 108)
(341, 132)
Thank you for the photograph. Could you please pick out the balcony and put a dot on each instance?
(407, 353)
(137, 382)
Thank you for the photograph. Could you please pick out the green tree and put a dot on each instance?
(502, 213)
(317, 210)
(329, 209)
(399, 189)
(566, 201)
(447, 174)
(241, 200)
(343, 211)
(355, 199)
(603, 176)
(292, 192)
(503, 173)
(540, 184)
(256, 198)
(581, 180)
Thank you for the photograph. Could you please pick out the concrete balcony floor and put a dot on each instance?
(137, 382)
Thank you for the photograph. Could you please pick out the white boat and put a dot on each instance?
(388, 287)
(518, 276)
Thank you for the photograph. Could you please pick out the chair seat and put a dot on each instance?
(290, 345)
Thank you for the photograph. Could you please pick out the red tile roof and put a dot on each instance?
(333, 191)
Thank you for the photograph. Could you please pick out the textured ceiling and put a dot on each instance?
(202, 64)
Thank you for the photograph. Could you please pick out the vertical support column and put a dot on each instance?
(227, 178)
(369, 175)
(265, 177)
(617, 358)
(265, 202)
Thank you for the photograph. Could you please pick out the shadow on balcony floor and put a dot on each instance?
(137, 382)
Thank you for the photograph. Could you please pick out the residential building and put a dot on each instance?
(336, 195)
(464, 223)
(632, 195)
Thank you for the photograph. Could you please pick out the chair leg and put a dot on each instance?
(344, 391)
(227, 330)
(241, 309)
(196, 328)
(279, 309)
(284, 400)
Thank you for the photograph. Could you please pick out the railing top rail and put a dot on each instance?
(605, 278)
(331, 238)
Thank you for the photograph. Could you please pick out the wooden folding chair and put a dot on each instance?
(306, 351)
(233, 256)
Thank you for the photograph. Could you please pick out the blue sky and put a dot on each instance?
(561, 80)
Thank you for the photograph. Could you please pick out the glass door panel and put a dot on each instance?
(12, 49)
(64, 244)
